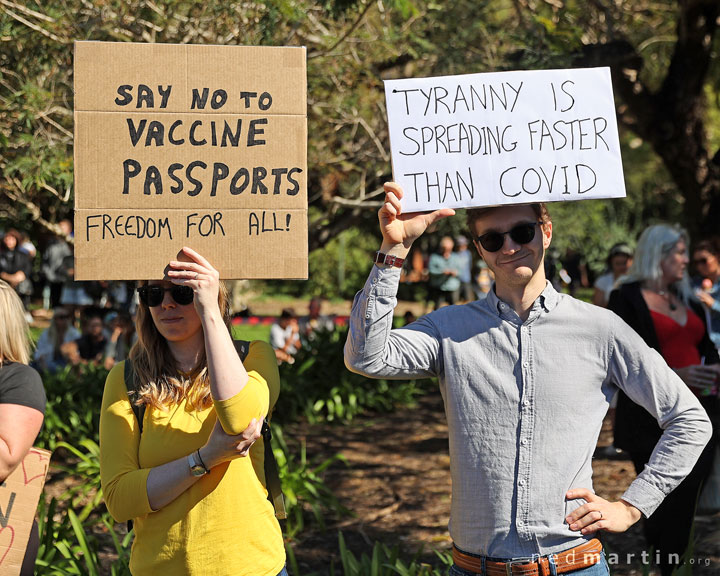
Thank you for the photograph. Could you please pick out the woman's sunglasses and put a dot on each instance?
(520, 234)
(153, 296)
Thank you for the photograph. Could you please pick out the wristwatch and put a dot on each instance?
(388, 259)
(197, 467)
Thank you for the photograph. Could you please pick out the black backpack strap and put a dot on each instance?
(132, 386)
(242, 347)
(272, 476)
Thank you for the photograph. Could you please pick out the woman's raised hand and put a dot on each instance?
(192, 269)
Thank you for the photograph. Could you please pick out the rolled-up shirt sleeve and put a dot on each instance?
(374, 349)
(643, 375)
(254, 400)
(123, 482)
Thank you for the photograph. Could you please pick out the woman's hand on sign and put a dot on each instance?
(223, 447)
(403, 229)
(192, 269)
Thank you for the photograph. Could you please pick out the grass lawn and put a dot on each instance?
(251, 332)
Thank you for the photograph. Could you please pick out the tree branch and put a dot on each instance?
(35, 27)
(346, 35)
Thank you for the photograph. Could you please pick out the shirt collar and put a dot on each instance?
(548, 299)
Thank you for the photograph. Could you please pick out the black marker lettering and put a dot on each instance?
(126, 92)
(131, 168)
(145, 94)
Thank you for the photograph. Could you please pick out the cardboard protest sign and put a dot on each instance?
(504, 138)
(200, 146)
(19, 496)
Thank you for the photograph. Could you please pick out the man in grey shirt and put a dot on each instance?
(526, 376)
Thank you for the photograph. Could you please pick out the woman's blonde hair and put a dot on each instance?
(15, 334)
(162, 384)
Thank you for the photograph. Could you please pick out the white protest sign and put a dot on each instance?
(504, 138)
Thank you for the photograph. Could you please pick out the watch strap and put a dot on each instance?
(388, 259)
(197, 468)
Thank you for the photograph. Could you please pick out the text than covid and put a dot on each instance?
(461, 185)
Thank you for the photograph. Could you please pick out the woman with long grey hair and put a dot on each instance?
(656, 300)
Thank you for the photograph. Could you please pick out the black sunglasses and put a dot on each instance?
(153, 296)
(521, 234)
(699, 261)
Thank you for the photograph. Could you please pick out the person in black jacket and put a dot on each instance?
(656, 300)
(15, 265)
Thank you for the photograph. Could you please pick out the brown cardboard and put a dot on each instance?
(19, 496)
(235, 160)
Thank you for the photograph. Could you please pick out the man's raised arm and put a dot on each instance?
(371, 348)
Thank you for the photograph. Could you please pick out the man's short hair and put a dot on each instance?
(287, 314)
(474, 214)
(712, 245)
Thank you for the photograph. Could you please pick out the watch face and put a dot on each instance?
(196, 469)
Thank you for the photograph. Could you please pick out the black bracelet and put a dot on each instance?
(201, 461)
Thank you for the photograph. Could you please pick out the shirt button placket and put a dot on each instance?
(526, 425)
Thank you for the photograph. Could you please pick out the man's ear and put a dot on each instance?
(477, 247)
(547, 234)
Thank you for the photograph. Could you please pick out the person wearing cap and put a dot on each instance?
(618, 263)
(526, 376)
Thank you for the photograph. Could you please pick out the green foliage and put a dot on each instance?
(337, 269)
(72, 413)
(304, 486)
(319, 387)
(84, 465)
(68, 545)
(386, 561)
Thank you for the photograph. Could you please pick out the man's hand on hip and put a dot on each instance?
(600, 514)
(401, 230)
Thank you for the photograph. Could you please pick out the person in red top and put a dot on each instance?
(656, 300)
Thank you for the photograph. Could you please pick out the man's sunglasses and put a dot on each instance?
(153, 296)
(520, 234)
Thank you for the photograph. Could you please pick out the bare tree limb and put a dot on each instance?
(35, 27)
(344, 36)
(25, 10)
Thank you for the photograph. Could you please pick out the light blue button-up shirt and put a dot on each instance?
(525, 403)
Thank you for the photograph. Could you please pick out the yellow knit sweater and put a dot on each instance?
(223, 524)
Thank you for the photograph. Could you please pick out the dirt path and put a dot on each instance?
(398, 485)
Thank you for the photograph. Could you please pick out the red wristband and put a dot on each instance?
(388, 259)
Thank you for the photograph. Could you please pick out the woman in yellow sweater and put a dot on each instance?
(197, 504)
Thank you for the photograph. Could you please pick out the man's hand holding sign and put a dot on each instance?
(526, 374)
